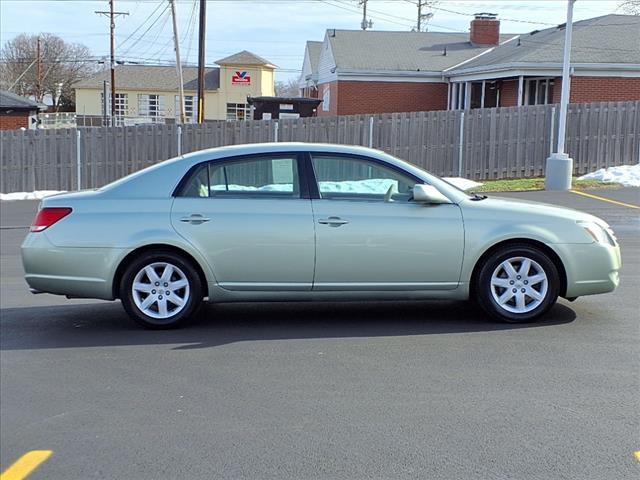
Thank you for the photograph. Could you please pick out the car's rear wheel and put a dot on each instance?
(160, 290)
(518, 283)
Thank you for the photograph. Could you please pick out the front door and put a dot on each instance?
(370, 236)
(247, 217)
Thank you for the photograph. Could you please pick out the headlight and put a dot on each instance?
(598, 233)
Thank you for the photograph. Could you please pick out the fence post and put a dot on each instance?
(370, 132)
(78, 159)
(179, 140)
(553, 122)
(460, 141)
(275, 131)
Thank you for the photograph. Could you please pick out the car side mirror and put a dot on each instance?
(428, 194)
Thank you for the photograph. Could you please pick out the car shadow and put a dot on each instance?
(106, 324)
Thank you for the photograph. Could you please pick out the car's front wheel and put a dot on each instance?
(517, 284)
(160, 290)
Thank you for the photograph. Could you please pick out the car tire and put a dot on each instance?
(517, 284)
(160, 290)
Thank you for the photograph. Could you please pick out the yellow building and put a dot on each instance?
(149, 94)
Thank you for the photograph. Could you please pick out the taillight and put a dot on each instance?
(47, 216)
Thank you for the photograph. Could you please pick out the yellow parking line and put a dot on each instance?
(615, 202)
(637, 455)
(26, 464)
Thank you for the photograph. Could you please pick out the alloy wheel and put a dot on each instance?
(160, 290)
(519, 285)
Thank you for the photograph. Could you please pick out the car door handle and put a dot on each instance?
(195, 219)
(333, 221)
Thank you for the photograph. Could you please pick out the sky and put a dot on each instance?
(274, 29)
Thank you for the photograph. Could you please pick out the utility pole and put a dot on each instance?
(365, 23)
(176, 42)
(112, 14)
(423, 16)
(559, 165)
(201, 37)
(38, 70)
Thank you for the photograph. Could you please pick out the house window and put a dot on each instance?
(121, 106)
(151, 106)
(538, 91)
(190, 107)
(238, 111)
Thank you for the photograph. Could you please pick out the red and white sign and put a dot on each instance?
(241, 78)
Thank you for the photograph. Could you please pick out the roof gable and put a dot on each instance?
(245, 58)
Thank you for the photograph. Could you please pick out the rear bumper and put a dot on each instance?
(76, 272)
(591, 268)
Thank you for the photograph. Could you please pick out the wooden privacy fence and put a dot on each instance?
(480, 144)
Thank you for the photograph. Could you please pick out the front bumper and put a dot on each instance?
(591, 268)
(76, 272)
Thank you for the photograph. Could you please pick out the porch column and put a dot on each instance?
(520, 89)
(482, 95)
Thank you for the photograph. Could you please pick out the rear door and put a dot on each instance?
(250, 219)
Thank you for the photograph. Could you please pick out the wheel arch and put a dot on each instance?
(122, 266)
(553, 256)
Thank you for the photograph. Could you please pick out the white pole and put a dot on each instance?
(461, 139)
(559, 166)
(275, 131)
(370, 132)
(179, 140)
(564, 96)
(482, 94)
(553, 129)
(78, 160)
(183, 113)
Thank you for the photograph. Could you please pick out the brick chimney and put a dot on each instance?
(485, 29)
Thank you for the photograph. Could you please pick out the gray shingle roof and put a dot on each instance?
(607, 39)
(407, 51)
(10, 100)
(314, 49)
(244, 58)
(149, 77)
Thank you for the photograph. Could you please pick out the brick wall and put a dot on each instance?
(509, 93)
(600, 89)
(351, 97)
(14, 120)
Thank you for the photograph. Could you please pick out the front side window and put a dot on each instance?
(349, 178)
(256, 177)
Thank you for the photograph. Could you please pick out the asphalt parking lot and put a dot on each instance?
(325, 391)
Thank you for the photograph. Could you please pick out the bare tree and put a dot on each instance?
(288, 89)
(61, 65)
(631, 7)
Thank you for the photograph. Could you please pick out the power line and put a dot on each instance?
(140, 26)
(147, 30)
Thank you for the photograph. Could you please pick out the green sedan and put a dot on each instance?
(299, 222)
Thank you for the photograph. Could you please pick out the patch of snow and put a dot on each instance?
(627, 175)
(462, 183)
(37, 195)
(371, 186)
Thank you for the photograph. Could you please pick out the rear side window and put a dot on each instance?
(255, 177)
